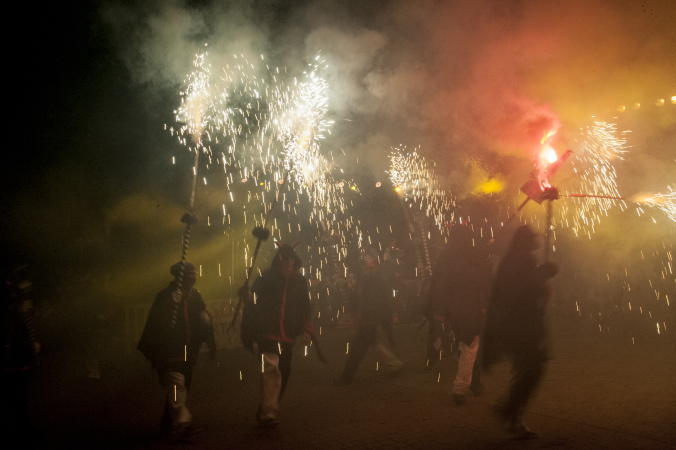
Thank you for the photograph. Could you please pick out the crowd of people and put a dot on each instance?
(478, 309)
(489, 316)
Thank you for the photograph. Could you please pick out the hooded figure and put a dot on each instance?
(516, 325)
(372, 307)
(175, 329)
(457, 297)
(278, 312)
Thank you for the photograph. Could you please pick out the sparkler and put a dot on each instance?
(194, 114)
(258, 125)
(416, 179)
(595, 180)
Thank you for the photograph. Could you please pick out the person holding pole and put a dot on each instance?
(176, 327)
(516, 325)
(458, 295)
(277, 311)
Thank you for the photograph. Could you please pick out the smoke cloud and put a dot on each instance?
(466, 81)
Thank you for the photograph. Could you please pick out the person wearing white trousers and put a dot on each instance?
(463, 378)
(278, 312)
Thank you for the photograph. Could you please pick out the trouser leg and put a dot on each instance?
(463, 377)
(475, 385)
(176, 396)
(433, 343)
(526, 376)
(363, 339)
(285, 366)
(388, 357)
(271, 386)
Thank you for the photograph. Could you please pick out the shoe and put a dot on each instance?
(521, 431)
(268, 422)
(458, 399)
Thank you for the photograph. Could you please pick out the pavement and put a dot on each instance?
(599, 392)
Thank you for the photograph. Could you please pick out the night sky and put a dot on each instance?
(93, 202)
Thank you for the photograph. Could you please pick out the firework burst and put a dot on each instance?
(595, 181)
(416, 179)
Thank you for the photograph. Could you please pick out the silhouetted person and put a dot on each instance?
(20, 350)
(177, 325)
(516, 326)
(274, 317)
(372, 305)
(458, 295)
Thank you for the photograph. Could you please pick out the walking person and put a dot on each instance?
(458, 291)
(177, 325)
(274, 316)
(373, 309)
(516, 325)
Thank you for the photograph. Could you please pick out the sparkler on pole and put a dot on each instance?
(261, 234)
(415, 178)
(193, 115)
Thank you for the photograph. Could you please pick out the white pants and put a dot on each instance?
(465, 366)
(388, 357)
(176, 398)
(271, 387)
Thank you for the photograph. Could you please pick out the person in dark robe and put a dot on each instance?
(177, 326)
(277, 311)
(516, 325)
(458, 296)
(372, 307)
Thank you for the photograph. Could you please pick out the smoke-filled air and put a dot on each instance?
(355, 125)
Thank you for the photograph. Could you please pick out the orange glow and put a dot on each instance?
(547, 135)
(549, 155)
(491, 186)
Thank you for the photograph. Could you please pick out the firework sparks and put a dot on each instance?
(197, 111)
(264, 127)
(664, 202)
(595, 176)
(416, 179)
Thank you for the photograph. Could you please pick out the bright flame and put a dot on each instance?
(549, 155)
(546, 157)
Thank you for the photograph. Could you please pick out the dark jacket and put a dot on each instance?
(459, 288)
(516, 321)
(161, 343)
(282, 310)
(372, 300)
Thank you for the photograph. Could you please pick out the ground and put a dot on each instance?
(600, 391)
